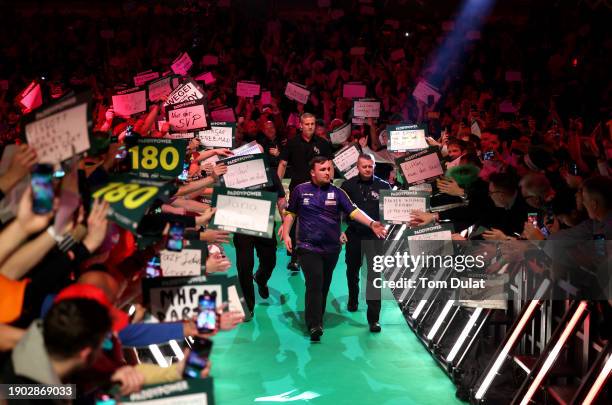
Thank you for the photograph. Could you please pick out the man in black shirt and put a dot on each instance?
(299, 152)
(364, 191)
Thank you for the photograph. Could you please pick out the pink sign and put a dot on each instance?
(266, 97)
(206, 77)
(353, 90)
(187, 116)
(223, 114)
(182, 64)
(247, 89)
(143, 78)
(31, 97)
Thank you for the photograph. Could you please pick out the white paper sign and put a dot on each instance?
(130, 103)
(366, 109)
(188, 116)
(423, 90)
(161, 88)
(251, 148)
(296, 92)
(353, 90)
(177, 303)
(407, 139)
(397, 209)
(351, 173)
(188, 91)
(182, 64)
(181, 135)
(217, 136)
(247, 89)
(340, 134)
(241, 212)
(206, 77)
(346, 158)
(223, 114)
(246, 174)
(143, 78)
(422, 168)
(187, 262)
(60, 135)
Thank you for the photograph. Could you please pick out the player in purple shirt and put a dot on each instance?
(318, 206)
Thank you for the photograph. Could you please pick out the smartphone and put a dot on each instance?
(129, 131)
(58, 174)
(42, 189)
(198, 358)
(175, 238)
(206, 320)
(121, 153)
(532, 218)
(185, 174)
(573, 169)
(153, 268)
(488, 155)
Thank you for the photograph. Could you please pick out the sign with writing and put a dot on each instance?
(346, 158)
(248, 212)
(182, 64)
(190, 391)
(31, 97)
(246, 172)
(421, 167)
(220, 135)
(187, 116)
(297, 92)
(247, 89)
(60, 131)
(189, 90)
(181, 135)
(423, 90)
(175, 299)
(430, 239)
(251, 148)
(207, 78)
(352, 172)
(161, 88)
(366, 108)
(396, 205)
(189, 262)
(130, 197)
(210, 60)
(340, 134)
(223, 114)
(266, 97)
(404, 138)
(129, 102)
(353, 90)
(145, 77)
(158, 158)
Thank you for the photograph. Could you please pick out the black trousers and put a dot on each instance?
(353, 257)
(245, 261)
(318, 270)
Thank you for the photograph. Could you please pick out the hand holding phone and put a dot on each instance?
(175, 237)
(532, 218)
(206, 321)
(197, 359)
(42, 189)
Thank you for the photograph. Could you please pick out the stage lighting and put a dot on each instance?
(159, 357)
(464, 334)
(599, 382)
(438, 322)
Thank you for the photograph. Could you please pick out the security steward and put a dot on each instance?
(318, 206)
(364, 191)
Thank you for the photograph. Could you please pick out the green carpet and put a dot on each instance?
(271, 359)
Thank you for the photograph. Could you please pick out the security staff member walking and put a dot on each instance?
(299, 152)
(317, 205)
(364, 191)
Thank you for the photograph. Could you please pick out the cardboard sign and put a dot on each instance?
(297, 92)
(366, 108)
(161, 88)
(187, 116)
(346, 158)
(247, 89)
(31, 97)
(397, 55)
(513, 76)
(357, 51)
(246, 172)
(423, 90)
(220, 135)
(130, 102)
(130, 197)
(206, 77)
(143, 78)
(340, 134)
(210, 60)
(245, 212)
(175, 299)
(223, 114)
(404, 138)
(421, 167)
(190, 391)
(189, 262)
(396, 205)
(182, 64)
(60, 131)
(158, 158)
(186, 91)
(353, 90)
(266, 97)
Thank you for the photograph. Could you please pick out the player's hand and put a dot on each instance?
(343, 238)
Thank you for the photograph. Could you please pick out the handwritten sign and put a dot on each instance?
(162, 87)
(297, 92)
(249, 212)
(404, 138)
(189, 262)
(346, 157)
(206, 77)
(366, 108)
(421, 166)
(247, 89)
(182, 64)
(352, 172)
(353, 90)
(251, 148)
(187, 91)
(60, 131)
(246, 172)
(223, 114)
(423, 90)
(187, 116)
(396, 205)
(340, 134)
(220, 135)
(129, 102)
(145, 77)
(210, 60)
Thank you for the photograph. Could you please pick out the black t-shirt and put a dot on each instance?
(365, 194)
(299, 153)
